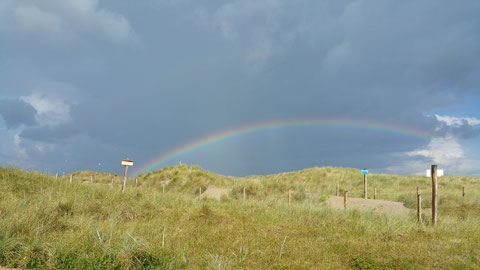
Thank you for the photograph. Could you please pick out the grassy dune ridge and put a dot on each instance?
(48, 223)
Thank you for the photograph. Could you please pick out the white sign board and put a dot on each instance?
(127, 162)
(439, 173)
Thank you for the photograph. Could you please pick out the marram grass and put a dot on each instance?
(48, 223)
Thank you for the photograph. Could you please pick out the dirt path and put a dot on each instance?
(215, 192)
(369, 204)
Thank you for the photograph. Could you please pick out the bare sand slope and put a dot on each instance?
(369, 204)
(215, 192)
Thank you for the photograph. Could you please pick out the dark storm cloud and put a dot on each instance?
(17, 112)
(206, 67)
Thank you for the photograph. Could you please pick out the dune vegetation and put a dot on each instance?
(160, 222)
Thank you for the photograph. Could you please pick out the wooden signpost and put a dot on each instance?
(125, 162)
(434, 194)
(364, 172)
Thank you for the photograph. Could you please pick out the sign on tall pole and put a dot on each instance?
(364, 172)
(125, 162)
(434, 194)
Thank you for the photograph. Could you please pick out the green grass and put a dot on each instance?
(48, 223)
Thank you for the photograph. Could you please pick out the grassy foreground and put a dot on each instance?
(48, 223)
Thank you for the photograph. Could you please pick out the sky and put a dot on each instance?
(86, 83)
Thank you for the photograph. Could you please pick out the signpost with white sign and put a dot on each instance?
(125, 162)
(364, 172)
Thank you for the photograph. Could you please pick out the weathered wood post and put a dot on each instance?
(91, 179)
(417, 191)
(112, 181)
(163, 188)
(364, 185)
(200, 193)
(125, 162)
(56, 176)
(463, 191)
(136, 182)
(374, 193)
(71, 176)
(434, 194)
(338, 189)
(244, 194)
(419, 208)
(289, 196)
(345, 199)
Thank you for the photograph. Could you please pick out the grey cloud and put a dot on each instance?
(17, 112)
(249, 61)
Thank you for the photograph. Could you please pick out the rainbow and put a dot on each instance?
(271, 125)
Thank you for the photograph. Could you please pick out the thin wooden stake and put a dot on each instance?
(417, 191)
(375, 193)
(419, 208)
(338, 189)
(244, 194)
(345, 199)
(136, 182)
(91, 179)
(434, 194)
(364, 185)
(463, 191)
(71, 179)
(56, 176)
(163, 188)
(163, 238)
(112, 182)
(289, 196)
(200, 195)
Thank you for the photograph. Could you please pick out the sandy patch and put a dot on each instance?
(215, 192)
(380, 206)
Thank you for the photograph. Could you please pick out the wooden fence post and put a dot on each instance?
(419, 208)
(434, 194)
(136, 182)
(364, 185)
(112, 181)
(345, 199)
(200, 195)
(163, 188)
(244, 194)
(289, 196)
(56, 176)
(463, 191)
(338, 189)
(71, 179)
(91, 179)
(417, 191)
(374, 193)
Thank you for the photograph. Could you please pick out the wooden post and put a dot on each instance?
(374, 193)
(434, 194)
(244, 194)
(91, 179)
(200, 195)
(56, 176)
(163, 238)
(463, 191)
(136, 182)
(163, 188)
(345, 199)
(124, 178)
(419, 208)
(289, 196)
(112, 181)
(417, 191)
(71, 176)
(364, 185)
(338, 189)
